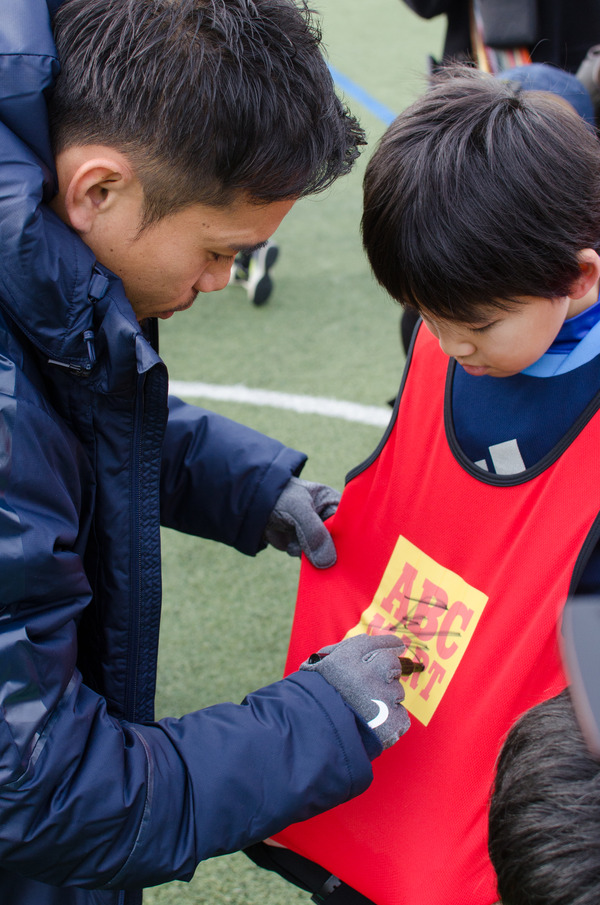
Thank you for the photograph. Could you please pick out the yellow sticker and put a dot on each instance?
(434, 611)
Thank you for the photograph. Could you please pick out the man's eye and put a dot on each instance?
(217, 257)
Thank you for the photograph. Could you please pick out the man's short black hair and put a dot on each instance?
(544, 822)
(480, 193)
(208, 98)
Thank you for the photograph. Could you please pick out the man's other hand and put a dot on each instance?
(296, 523)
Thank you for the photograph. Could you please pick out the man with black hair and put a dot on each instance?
(181, 133)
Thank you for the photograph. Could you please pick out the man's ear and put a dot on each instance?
(589, 273)
(90, 184)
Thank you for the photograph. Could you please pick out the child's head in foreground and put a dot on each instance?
(482, 211)
(544, 823)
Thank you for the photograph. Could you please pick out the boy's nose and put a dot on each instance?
(455, 347)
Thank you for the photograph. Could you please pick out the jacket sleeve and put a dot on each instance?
(85, 799)
(219, 479)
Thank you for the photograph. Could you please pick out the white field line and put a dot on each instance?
(306, 405)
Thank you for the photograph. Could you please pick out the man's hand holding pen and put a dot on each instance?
(365, 669)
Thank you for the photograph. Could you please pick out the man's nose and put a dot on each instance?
(215, 276)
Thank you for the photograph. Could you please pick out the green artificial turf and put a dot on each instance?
(327, 330)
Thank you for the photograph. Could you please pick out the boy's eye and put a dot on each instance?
(483, 328)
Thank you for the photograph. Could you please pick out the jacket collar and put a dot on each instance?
(53, 288)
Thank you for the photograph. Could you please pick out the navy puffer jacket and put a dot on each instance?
(95, 797)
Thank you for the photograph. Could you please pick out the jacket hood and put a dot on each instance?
(49, 277)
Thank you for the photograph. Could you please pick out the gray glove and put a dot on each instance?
(365, 670)
(296, 523)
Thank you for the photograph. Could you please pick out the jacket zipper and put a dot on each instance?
(80, 370)
(136, 579)
(96, 290)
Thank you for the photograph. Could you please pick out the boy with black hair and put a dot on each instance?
(544, 820)
(478, 244)
(478, 514)
(182, 131)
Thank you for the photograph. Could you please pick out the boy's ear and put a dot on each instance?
(589, 273)
(90, 185)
